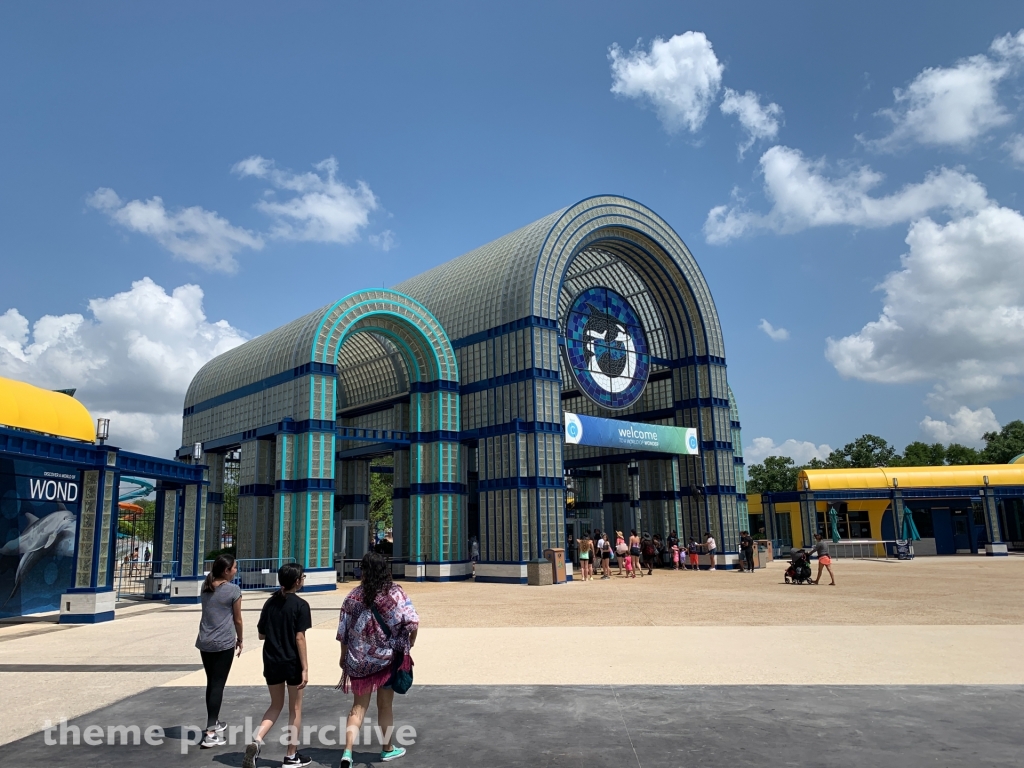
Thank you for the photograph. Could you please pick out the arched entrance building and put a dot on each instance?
(462, 374)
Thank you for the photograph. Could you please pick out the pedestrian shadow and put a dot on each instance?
(319, 755)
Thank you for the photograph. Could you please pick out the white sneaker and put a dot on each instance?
(212, 739)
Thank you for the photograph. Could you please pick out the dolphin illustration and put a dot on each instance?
(43, 536)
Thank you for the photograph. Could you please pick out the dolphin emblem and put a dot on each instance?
(609, 351)
(45, 535)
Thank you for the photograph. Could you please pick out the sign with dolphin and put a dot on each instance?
(38, 526)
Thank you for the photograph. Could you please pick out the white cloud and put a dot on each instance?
(193, 234)
(801, 451)
(680, 77)
(964, 426)
(131, 359)
(775, 334)
(953, 314)
(759, 122)
(321, 208)
(1015, 146)
(953, 106)
(386, 240)
(803, 196)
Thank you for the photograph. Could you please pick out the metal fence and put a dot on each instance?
(144, 579)
(348, 568)
(255, 572)
(863, 549)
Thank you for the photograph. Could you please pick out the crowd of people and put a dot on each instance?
(377, 629)
(638, 554)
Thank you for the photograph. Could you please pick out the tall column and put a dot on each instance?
(92, 598)
(305, 509)
(214, 502)
(995, 546)
(256, 532)
(808, 517)
(187, 587)
(618, 512)
(400, 509)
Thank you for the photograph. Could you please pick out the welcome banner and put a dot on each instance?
(610, 433)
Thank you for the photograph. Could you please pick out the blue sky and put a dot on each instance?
(300, 153)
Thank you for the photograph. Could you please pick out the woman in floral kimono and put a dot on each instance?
(368, 650)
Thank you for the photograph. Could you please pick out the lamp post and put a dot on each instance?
(102, 430)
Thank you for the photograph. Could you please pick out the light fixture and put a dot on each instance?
(102, 430)
(985, 479)
(895, 482)
(197, 451)
(807, 485)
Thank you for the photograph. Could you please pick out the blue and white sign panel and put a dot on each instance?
(629, 435)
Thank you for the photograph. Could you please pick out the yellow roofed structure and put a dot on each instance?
(24, 406)
(967, 476)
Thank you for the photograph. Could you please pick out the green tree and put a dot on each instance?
(865, 451)
(919, 454)
(381, 493)
(1002, 446)
(774, 474)
(959, 455)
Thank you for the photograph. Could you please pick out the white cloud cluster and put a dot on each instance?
(680, 77)
(775, 334)
(131, 359)
(953, 106)
(804, 196)
(759, 122)
(801, 451)
(385, 240)
(193, 234)
(954, 313)
(1015, 147)
(965, 426)
(321, 208)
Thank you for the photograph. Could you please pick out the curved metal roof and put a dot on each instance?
(25, 406)
(521, 274)
(968, 476)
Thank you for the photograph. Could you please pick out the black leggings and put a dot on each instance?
(748, 558)
(217, 665)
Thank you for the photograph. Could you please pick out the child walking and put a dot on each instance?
(283, 623)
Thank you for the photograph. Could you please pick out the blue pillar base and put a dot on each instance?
(87, 607)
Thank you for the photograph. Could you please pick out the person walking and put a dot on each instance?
(605, 548)
(711, 547)
(746, 551)
(634, 552)
(820, 548)
(586, 562)
(377, 629)
(283, 623)
(693, 554)
(621, 552)
(648, 553)
(219, 641)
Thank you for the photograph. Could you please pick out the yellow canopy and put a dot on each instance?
(911, 477)
(27, 407)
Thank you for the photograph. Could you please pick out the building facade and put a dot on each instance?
(462, 375)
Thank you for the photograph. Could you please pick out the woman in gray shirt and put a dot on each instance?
(220, 638)
(820, 548)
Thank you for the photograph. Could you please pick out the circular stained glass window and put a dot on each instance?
(607, 348)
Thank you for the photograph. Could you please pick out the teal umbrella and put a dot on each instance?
(909, 529)
(833, 520)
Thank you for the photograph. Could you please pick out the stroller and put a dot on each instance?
(799, 571)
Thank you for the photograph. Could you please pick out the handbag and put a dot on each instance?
(400, 680)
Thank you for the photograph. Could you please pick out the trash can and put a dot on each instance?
(539, 572)
(556, 556)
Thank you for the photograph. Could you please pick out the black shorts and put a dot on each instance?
(606, 555)
(291, 675)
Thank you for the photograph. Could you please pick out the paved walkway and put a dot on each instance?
(937, 622)
(598, 727)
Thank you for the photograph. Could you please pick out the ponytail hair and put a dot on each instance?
(288, 576)
(220, 567)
